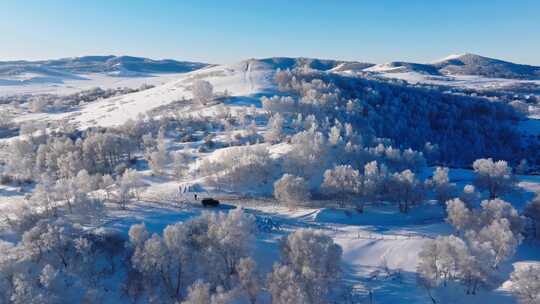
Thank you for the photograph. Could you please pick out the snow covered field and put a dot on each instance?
(87, 81)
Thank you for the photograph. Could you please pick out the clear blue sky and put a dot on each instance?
(226, 31)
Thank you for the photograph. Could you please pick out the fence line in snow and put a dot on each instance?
(381, 237)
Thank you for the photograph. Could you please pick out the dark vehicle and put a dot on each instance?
(209, 202)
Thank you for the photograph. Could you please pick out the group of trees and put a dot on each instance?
(204, 260)
(485, 238)
(409, 116)
(54, 262)
(63, 157)
(80, 198)
(208, 260)
(486, 234)
(209, 248)
(376, 182)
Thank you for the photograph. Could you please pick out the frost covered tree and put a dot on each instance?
(494, 176)
(291, 190)
(198, 293)
(5, 120)
(498, 209)
(444, 190)
(406, 190)
(158, 158)
(248, 278)
(279, 104)
(494, 243)
(38, 105)
(490, 236)
(459, 215)
(463, 218)
(342, 182)
(308, 156)
(284, 286)
(275, 129)
(374, 180)
(107, 182)
(334, 136)
(315, 260)
(450, 259)
(129, 185)
(526, 284)
(203, 91)
(232, 237)
(532, 211)
(469, 196)
(441, 260)
(181, 160)
(138, 234)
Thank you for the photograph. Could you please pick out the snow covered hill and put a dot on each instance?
(57, 71)
(471, 64)
(402, 67)
(465, 64)
(247, 78)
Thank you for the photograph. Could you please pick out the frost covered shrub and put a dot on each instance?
(279, 104)
(291, 190)
(203, 91)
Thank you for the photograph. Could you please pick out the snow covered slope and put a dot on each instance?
(245, 78)
(455, 66)
(57, 71)
(472, 64)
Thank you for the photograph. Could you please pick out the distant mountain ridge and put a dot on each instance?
(97, 64)
(464, 64)
(471, 64)
(59, 70)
